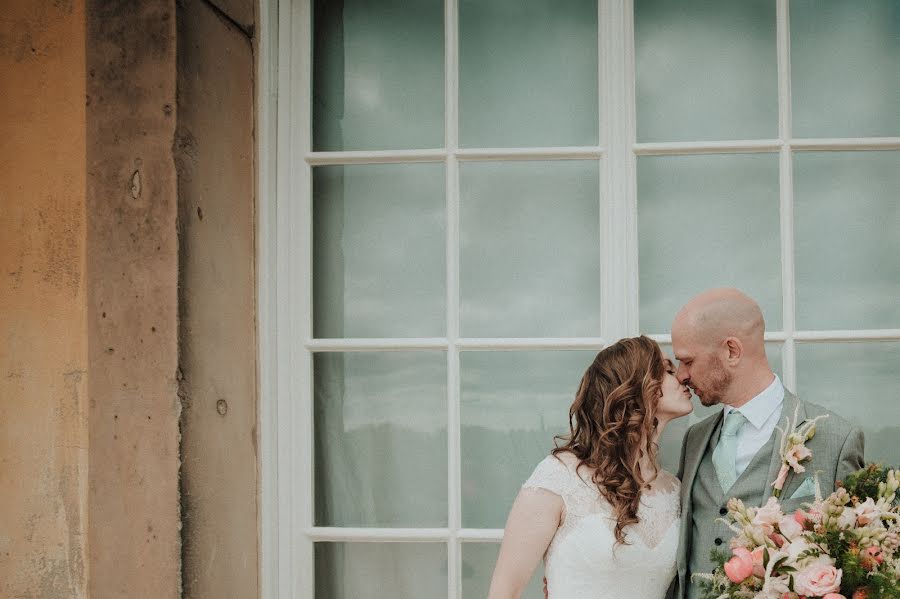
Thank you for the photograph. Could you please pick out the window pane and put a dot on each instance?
(859, 381)
(530, 249)
(670, 442)
(705, 70)
(379, 570)
(513, 403)
(845, 79)
(379, 250)
(478, 561)
(847, 220)
(528, 73)
(378, 74)
(707, 221)
(381, 439)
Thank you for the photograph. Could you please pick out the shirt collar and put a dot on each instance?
(760, 408)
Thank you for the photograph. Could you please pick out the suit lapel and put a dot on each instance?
(791, 404)
(697, 444)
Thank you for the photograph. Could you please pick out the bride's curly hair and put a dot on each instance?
(612, 423)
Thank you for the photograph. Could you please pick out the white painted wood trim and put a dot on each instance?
(267, 330)
(786, 194)
(618, 203)
(706, 147)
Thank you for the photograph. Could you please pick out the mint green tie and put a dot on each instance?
(726, 450)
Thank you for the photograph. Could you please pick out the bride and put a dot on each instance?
(599, 509)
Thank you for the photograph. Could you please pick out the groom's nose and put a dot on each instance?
(682, 375)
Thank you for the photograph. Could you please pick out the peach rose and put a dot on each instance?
(795, 455)
(818, 578)
(871, 557)
(740, 566)
(834, 596)
(862, 593)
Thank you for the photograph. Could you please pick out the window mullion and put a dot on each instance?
(618, 206)
(786, 195)
(451, 142)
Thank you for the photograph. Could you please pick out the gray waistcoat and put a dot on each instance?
(708, 500)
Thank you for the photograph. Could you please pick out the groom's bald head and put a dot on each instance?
(718, 339)
(717, 314)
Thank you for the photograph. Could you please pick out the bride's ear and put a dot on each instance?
(735, 350)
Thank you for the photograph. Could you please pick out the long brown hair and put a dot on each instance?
(612, 423)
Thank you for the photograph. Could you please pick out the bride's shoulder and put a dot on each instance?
(666, 482)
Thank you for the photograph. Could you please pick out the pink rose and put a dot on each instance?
(867, 512)
(759, 570)
(834, 596)
(795, 455)
(789, 527)
(818, 578)
(768, 516)
(871, 557)
(740, 566)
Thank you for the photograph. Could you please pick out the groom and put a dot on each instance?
(717, 339)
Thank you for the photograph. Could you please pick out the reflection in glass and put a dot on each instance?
(860, 382)
(478, 561)
(379, 258)
(378, 74)
(381, 439)
(512, 404)
(379, 570)
(528, 73)
(670, 442)
(844, 76)
(847, 219)
(705, 70)
(707, 221)
(530, 249)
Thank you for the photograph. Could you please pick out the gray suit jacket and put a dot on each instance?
(837, 450)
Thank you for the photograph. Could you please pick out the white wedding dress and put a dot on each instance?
(583, 560)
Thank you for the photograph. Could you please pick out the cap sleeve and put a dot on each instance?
(552, 475)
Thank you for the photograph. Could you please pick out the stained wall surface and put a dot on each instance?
(43, 346)
(215, 157)
(132, 300)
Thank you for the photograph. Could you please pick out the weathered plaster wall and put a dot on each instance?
(43, 351)
(132, 264)
(215, 157)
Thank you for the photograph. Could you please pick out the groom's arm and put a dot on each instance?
(851, 456)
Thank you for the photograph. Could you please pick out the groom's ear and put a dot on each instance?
(735, 350)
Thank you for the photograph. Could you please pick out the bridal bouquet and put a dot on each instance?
(844, 546)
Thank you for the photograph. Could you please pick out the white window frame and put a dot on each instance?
(286, 343)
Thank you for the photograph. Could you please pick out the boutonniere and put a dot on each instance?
(793, 447)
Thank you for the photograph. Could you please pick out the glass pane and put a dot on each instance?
(379, 250)
(478, 561)
(845, 79)
(378, 74)
(847, 219)
(513, 91)
(859, 381)
(530, 249)
(513, 403)
(670, 442)
(381, 439)
(379, 570)
(705, 70)
(707, 221)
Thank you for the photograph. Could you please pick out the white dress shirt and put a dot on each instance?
(762, 413)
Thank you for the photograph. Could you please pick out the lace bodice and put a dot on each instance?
(583, 560)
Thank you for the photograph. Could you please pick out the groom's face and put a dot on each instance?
(701, 369)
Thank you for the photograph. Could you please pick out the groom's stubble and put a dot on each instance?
(719, 380)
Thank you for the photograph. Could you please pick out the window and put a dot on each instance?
(475, 196)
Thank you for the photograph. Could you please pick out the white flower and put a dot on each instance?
(867, 512)
(768, 516)
(789, 528)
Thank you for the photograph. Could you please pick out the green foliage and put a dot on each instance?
(864, 483)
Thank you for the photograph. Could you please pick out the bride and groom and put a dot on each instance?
(608, 521)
